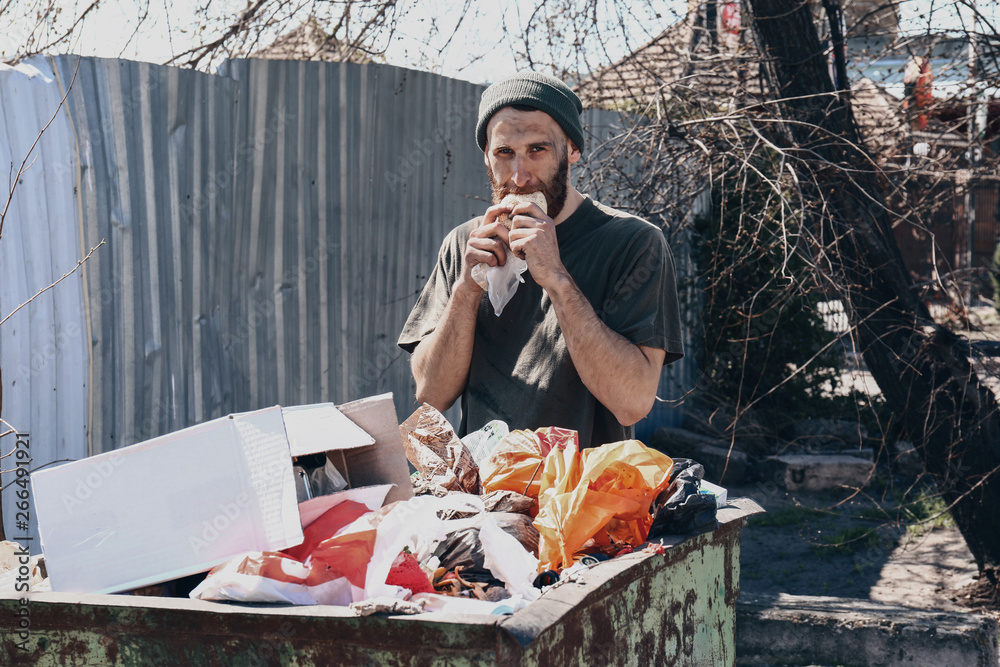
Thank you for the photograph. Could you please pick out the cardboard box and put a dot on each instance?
(186, 501)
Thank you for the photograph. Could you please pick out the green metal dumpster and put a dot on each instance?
(675, 608)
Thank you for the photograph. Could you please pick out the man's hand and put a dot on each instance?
(487, 245)
(441, 361)
(533, 238)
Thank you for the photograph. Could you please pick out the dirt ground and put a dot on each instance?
(810, 545)
(866, 547)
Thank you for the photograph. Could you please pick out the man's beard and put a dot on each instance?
(555, 191)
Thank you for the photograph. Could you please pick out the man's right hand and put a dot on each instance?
(487, 244)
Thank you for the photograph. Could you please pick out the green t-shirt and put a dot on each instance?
(521, 371)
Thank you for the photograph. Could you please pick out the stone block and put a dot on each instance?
(806, 630)
(817, 472)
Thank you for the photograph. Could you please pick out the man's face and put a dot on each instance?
(527, 151)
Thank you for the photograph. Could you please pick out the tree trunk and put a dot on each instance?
(922, 369)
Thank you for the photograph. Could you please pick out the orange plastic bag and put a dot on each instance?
(607, 497)
(516, 463)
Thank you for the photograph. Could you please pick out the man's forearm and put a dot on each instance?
(440, 362)
(616, 371)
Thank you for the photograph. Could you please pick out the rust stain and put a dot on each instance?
(71, 650)
(657, 611)
(731, 586)
(688, 622)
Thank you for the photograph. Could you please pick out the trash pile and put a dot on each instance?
(316, 504)
(495, 519)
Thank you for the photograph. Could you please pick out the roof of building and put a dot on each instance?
(685, 61)
(310, 41)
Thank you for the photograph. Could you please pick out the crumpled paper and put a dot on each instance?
(388, 605)
(436, 452)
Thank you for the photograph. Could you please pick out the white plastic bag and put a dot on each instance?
(482, 442)
(327, 480)
(508, 560)
(257, 577)
(269, 577)
(500, 281)
(414, 524)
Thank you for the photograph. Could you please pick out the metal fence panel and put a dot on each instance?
(267, 231)
(44, 345)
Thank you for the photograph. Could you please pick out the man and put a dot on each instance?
(581, 344)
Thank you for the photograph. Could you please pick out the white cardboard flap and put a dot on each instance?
(321, 428)
(168, 507)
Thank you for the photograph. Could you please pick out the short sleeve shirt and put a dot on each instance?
(521, 371)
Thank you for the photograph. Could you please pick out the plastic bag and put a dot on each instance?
(509, 501)
(437, 453)
(508, 560)
(464, 548)
(326, 568)
(326, 526)
(514, 465)
(684, 508)
(610, 501)
(482, 442)
(326, 480)
(258, 576)
(500, 282)
(415, 524)
(270, 576)
(516, 462)
(499, 551)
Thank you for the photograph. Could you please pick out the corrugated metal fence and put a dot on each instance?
(266, 233)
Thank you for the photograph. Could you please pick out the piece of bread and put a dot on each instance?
(515, 199)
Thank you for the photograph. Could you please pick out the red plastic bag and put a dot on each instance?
(325, 526)
(321, 570)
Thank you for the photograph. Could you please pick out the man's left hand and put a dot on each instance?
(533, 239)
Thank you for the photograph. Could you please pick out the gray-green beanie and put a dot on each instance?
(539, 91)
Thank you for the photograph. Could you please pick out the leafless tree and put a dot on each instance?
(838, 173)
(766, 103)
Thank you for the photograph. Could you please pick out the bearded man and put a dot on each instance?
(582, 343)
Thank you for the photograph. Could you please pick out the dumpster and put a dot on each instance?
(644, 608)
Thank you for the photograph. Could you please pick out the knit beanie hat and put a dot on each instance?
(540, 91)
